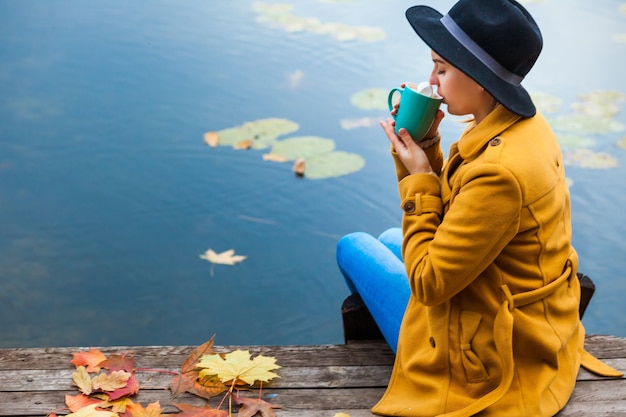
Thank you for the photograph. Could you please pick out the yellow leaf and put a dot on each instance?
(225, 258)
(237, 365)
(117, 406)
(341, 415)
(90, 411)
(82, 380)
(212, 139)
(152, 410)
(112, 381)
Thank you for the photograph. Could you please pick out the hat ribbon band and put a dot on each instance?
(479, 52)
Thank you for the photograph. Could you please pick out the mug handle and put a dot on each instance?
(389, 103)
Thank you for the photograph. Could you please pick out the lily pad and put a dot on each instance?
(333, 164)
(582, 123)
(596, 108)
(586, 158)
(575, 142)
(545, 102)
(371, 99)
(302, 147)
(262, 133)
(280, 16)
(621, 143)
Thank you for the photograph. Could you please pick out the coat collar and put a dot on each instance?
(476, 136)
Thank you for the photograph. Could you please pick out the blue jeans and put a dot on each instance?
(373, 268)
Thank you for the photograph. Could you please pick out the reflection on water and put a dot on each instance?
(108, 193)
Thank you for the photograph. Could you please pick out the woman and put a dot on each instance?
(491, 323)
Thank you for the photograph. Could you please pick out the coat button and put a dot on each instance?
(409, 206)
(495, 142)
(431, 340)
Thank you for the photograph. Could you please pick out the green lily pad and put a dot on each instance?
(545, 102)
(601, 96)
(586, 158)
(583, 123)
(333, 164)
(575, 142)
(263, 132)
(302, 147)
(621, 143)
(371, 99)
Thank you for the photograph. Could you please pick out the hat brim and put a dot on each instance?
(426, 22)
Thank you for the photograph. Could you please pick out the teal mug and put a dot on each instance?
(416, 112)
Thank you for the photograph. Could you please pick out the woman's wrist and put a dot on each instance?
(427, 143)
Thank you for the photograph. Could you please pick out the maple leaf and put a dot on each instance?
(119, 363)
(78, 401)
(117, 406)
(188, 380)
(91, 360)
(110, 381)
(251, 406)
(227, 257)
(90, 411)
(193, 411)
(237, 366)
(137, 410)
(82, 380)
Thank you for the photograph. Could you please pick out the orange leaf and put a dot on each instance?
(119, 363)
(251, 406)
(137, 410)
(188, 381)
(212, 139)
(78, 401)
(274, 158)
(91, 360)
(187, 410)
(299, 167)
(204, 349)
(244, 144)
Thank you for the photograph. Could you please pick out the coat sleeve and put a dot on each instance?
(445, 254)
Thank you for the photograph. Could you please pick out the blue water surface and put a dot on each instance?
(108, 193)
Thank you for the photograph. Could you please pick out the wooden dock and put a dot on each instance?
(315, 381)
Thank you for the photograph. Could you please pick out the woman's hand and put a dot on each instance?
(412, 156)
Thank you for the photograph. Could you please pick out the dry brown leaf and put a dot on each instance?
(82, 380)
(251, 406)
(212, 139)
(274, 158)
(111, 381)
(299, 167)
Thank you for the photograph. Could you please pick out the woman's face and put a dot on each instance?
(460, 93)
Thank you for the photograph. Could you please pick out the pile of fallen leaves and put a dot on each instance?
(108, 384)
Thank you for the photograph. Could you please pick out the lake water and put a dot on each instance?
(108, 193)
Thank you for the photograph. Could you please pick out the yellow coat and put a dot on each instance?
(492, 325)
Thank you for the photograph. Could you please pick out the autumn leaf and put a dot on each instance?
(117, 406)
(91, 360)
(244, 144)
(110, 381)
(341, 415)
(90, 411)
(131, 388)
(227, 257)
(272, 157)
(119, 363)
(237, 366)
(82, 380)
(78, 401)
(212, 139)
(299, 167)
(137, 410)
(187, 410)
(251, 406)
(188, 380)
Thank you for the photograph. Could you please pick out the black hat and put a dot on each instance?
(494, 42)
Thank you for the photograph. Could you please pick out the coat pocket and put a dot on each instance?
(474, 368)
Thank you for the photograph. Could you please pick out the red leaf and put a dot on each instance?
(131, 388)
(119, 363)
(76, 402)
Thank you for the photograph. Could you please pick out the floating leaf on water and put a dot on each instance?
(299, 167)
(348, 124)
(371, 99)
(262, 132)
(586, 158)
(212, 139)
(545, 102)
(621, 143)
(274, 158)
(333, 164)
(575, 142)
(582, 123)
(596, 108)
(302, 147)
(244, 144)
(280, 16)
